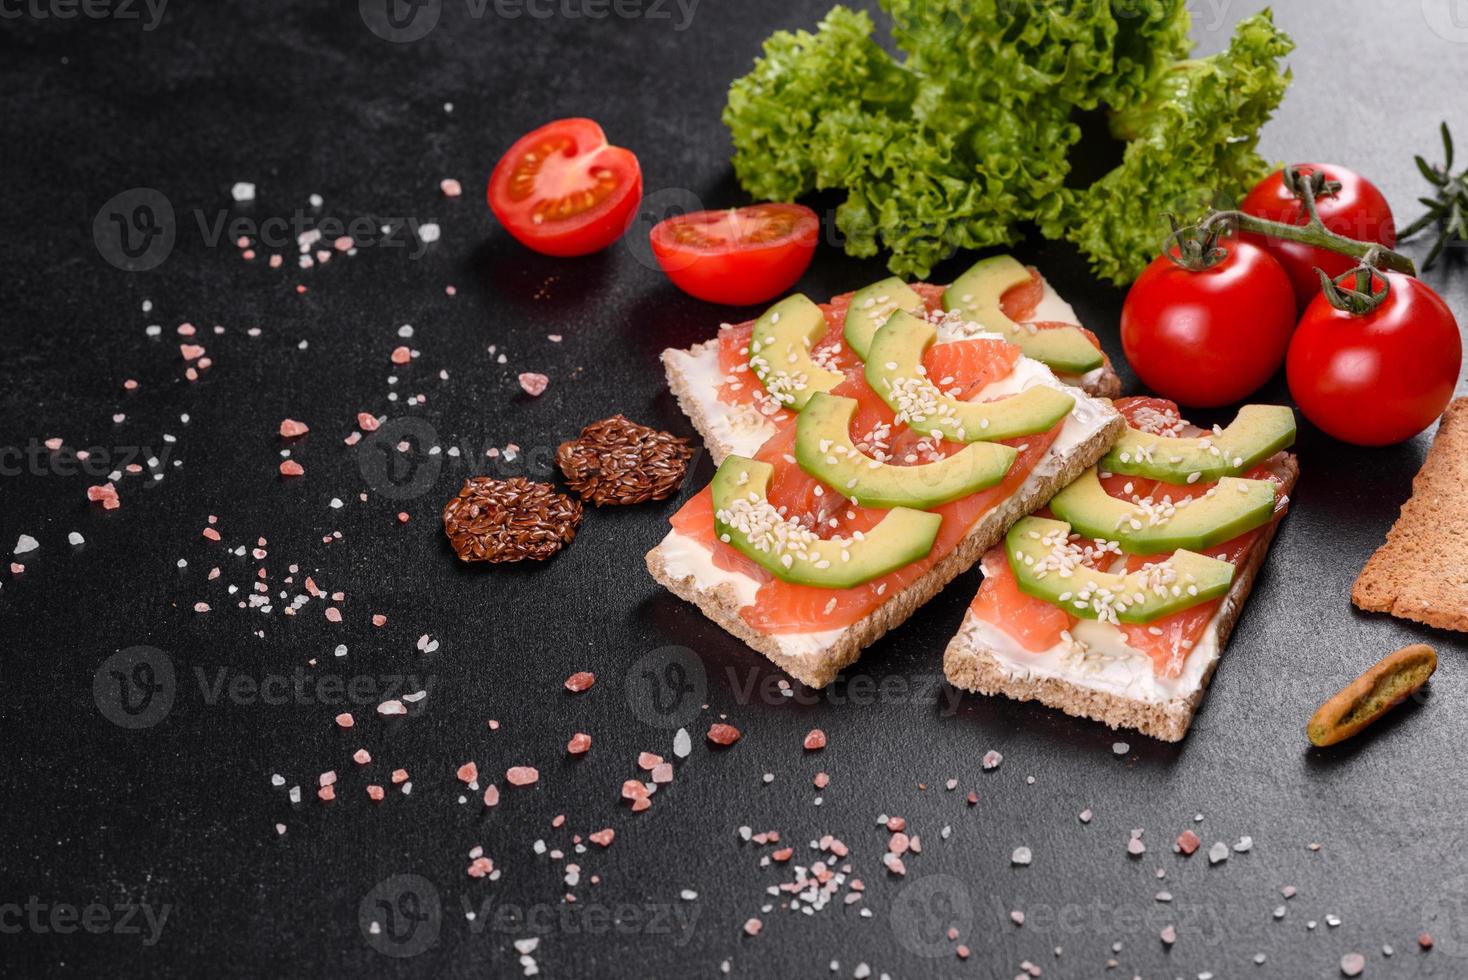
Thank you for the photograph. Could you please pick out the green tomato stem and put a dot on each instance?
(1314, 234)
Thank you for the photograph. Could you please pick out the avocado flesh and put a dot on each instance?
(1232, 508)
(793, 553)
(872, 306)
(1256, 433)
(894, 370)
(976, 294)
(823, 448)
(779, 352)
(1181, 582)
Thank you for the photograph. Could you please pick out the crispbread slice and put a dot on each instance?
(974, 668)
(1421, 573)
(819, 668)
(699, 398)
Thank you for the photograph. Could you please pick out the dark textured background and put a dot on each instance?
(301, 98)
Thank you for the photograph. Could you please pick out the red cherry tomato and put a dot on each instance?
(1357, 210)
(563, 190)
(1212, 337)
(739, 256)
(1381, 377)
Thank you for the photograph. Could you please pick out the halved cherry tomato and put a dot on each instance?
(740, 256)
(1381, 377)
(563, 190)
(1356, 210)
(1211, 337)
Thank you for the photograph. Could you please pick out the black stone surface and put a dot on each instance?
(180, 816)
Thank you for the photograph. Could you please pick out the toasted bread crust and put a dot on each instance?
(818, 669)
(978, 670)
(1421, 572)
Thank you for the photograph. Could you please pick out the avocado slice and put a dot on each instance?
(823, 448)
(895, 371)
(1045, 566)
(746, 520)
(872, 306)
(1228, 510)
(1256, 433)
(779, 352)
(976, 295)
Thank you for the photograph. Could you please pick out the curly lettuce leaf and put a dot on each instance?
(802, 78)
(1192, 145)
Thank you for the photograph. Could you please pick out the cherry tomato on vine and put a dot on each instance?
(1213, 336)
(1380, 377)
(563, 189)
(737, 256)
(1348, 205)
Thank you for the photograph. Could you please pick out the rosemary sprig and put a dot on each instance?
(1448, 211)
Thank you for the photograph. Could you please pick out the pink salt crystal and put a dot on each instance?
(367, 423)
(201, 607)
(821, 780)
(378, 619)
(400, 775)
(344, 720)
(190, 352)
(647, 761)
(662, 773)
(533, 383)
(521, 775)
(333, 614)
(1188, 842)
(401, 355)
(210, 533)
(481, 867)
(290, 428)
(450, 187)
(376, 792)
(752, 927)
(326, 793)
(640, 804)
(722, 734)
(491, 795)
(468, 772)
(580, 681)
(815, 740)
(54, 443)
(289, 467)
(603, 837)
(343, 243)
(361, 757)
(580, 743)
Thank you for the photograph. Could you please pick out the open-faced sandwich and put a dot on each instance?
(906, 442)
(1116, 602)
(744, 384)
